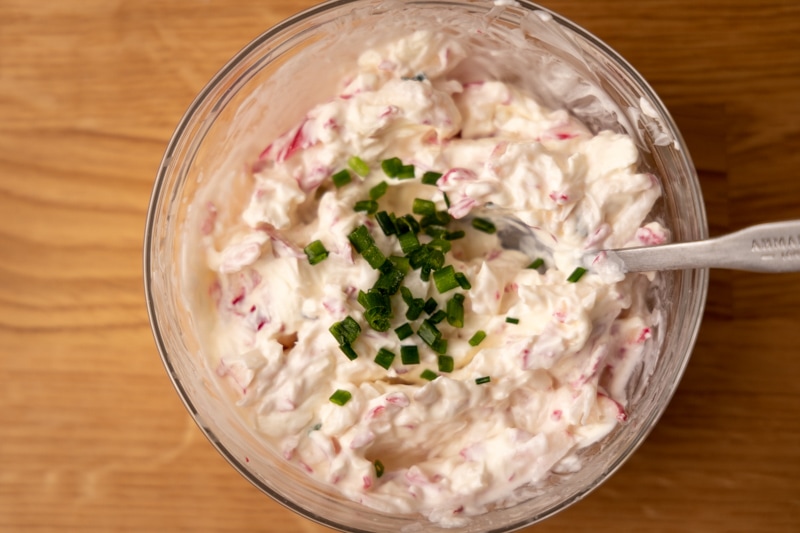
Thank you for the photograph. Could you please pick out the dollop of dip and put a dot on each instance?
(520, 365)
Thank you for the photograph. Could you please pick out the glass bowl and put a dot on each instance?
(268, 86)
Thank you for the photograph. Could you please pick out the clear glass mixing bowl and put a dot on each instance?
(268, 87)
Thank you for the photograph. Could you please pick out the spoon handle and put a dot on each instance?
(773, 247)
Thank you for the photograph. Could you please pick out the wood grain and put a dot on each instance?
(93, 436)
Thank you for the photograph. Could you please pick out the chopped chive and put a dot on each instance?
(430, 305)
(409, 355)
(425, 273)
(412, 223)
(386, 267)
(484, 379)
(373, 298)
(316, 252)
(407, 295)
(374, 256)
(391, 167)
(341, 178)
(348, 351)
(378, 318)
(404, 331)
(435, 232)
(536, 263)
(463, 281)
(512, 320)
(441, 244)
(415, 308)
(429, 375)
(378, 468)
(423, 207)
(358, 166)
(346, 331)
(440, 346)
(455, 311)
(340, 397)
(576, 274)
(445, 279)
(429, 333)
(430, 177)
(384, 358)
(406, 172)
(408, 242)
(386, 223)
(389, 282)
(378, 190)
(446, 200)
(484, 225)
(437, 218)
(454, 235)
(446, 363)
(477, 338)
(368, 206)
(438, 316)
(400, 263)
(360, 238)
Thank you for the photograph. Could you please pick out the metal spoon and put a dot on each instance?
(773, 247)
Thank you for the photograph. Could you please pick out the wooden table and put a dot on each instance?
(94, 438)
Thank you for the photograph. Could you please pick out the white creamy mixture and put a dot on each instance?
(449, 447)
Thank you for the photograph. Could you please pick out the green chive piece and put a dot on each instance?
(425, 273)
(446, 363)
(437, 218)
(360, 239)
(430, 177)
(384, 358)
(576, 274)
(407, 295)
(368, 206)
(340, 397)
(358, 166)
(463, 281)
(378, 190)
(373, 298)
(412, 223)
(386, 223)
(316, 252)
(429, 375)
(389, 282)
(342, 178)
(391, 167)
(538, 262)
(445, 279)
(430, 305)
(440, 346)
(415, 309)
(446, 200)
(436, 233)
(406, 172)
(404, 331)
(346, 331)
(484, 379)
(409, 355)
(374, 256)
(455, 235)
(441, 244)
(512, 320)
(378, 468)
(423, 207)
(400, 263)
(455, 311)
(429, 333)
(348, 351)
(408, 242)
(378, 318)
(438, 316)
(477, 338)
(484, 225)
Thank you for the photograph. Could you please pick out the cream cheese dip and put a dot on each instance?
(530, 364)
